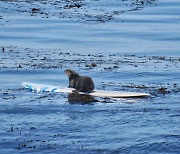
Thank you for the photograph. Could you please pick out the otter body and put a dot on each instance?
(80, 83)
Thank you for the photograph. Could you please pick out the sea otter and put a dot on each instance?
(80, 83)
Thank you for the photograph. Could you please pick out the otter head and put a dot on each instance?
(69, 72)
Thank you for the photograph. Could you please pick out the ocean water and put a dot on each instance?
(134, 46)
(97, 26)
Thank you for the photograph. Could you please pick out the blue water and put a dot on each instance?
(136, 50)
(48, 123)
(151, 29)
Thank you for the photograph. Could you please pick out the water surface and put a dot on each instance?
(135, 47)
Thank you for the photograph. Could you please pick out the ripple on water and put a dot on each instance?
(49, 123)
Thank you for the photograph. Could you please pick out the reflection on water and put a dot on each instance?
(44, 122)
(75, 98)
(47, 123)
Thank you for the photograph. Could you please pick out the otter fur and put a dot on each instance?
(80, 83)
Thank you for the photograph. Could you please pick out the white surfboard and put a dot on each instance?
(99, 93)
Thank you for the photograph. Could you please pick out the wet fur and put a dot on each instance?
(80, 83)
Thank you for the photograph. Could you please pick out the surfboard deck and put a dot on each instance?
(99, 93)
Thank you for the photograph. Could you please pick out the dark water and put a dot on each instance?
(135, 47)
(48, 123)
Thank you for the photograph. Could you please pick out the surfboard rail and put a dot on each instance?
(97, 93)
